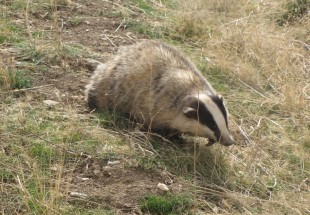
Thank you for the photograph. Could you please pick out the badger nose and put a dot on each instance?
(227, 141)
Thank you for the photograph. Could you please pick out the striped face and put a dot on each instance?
(212, 117)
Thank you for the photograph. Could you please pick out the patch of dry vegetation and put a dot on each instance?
(262, 69)
(266, 72)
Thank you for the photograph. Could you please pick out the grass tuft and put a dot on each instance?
(14, 79)
(10, 33)
(295, 10)
(164, 205)
(76, 21)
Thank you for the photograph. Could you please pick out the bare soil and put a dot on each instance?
(97, 30)
(118, 186)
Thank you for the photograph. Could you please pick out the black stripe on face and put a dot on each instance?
(205, 117)
(220, 104)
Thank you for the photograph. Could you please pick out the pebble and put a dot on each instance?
(77, 194)
(163, 187)
(50, 102)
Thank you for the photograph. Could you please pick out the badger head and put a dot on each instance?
(207, 117)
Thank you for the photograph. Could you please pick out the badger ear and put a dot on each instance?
(190, 112)
(220, 97)
(191, 107)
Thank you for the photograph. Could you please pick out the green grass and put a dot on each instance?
(6, 176)
(155, 32)
(141, 28)
(76, 21)
(38, 35)
(189, 28)
(164, 205)
(114, 119)
(10, 33)
(306, 144)
(220, 78)
(17, 5)
(294, 11)
(36, 192)
(37, 152)
(15, 79)
(143, 5)
(31, 53)
(44, 155)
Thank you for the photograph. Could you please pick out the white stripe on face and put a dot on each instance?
(216, 113)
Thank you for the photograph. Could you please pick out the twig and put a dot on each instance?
(129, 36)
(305, 93)
(237, 20)
(208, 59)
(109, 40)
(274, 122)
(119, 26)
(131, 11)
(32, 88)
(20, 183)
(307, 46)
(62, 24)
(243, 133)
(254, 90)
(143, 149)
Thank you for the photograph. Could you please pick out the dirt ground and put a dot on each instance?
(92, 182)
(97, 31)
(115, 185)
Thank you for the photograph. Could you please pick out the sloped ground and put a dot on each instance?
(60, 159)
(102, 179)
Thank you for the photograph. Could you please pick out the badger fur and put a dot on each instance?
(157, 85)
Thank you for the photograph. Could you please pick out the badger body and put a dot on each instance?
(157, 85)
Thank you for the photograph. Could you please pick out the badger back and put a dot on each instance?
(153, 82)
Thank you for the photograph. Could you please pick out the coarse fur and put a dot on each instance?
(157, 85)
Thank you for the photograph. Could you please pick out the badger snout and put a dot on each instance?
(227, 141)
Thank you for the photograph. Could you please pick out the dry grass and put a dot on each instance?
(261, 68)
(268, 95)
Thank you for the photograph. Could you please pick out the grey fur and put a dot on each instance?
(155, 83)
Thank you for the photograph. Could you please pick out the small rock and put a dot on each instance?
(77, 194)
(50, 102)
(162, 186)
(215, 209)
(54, 168)
(110, 163)
(96, 172)
(106, 168)
(85, 179)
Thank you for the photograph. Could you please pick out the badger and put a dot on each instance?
(162, 89)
